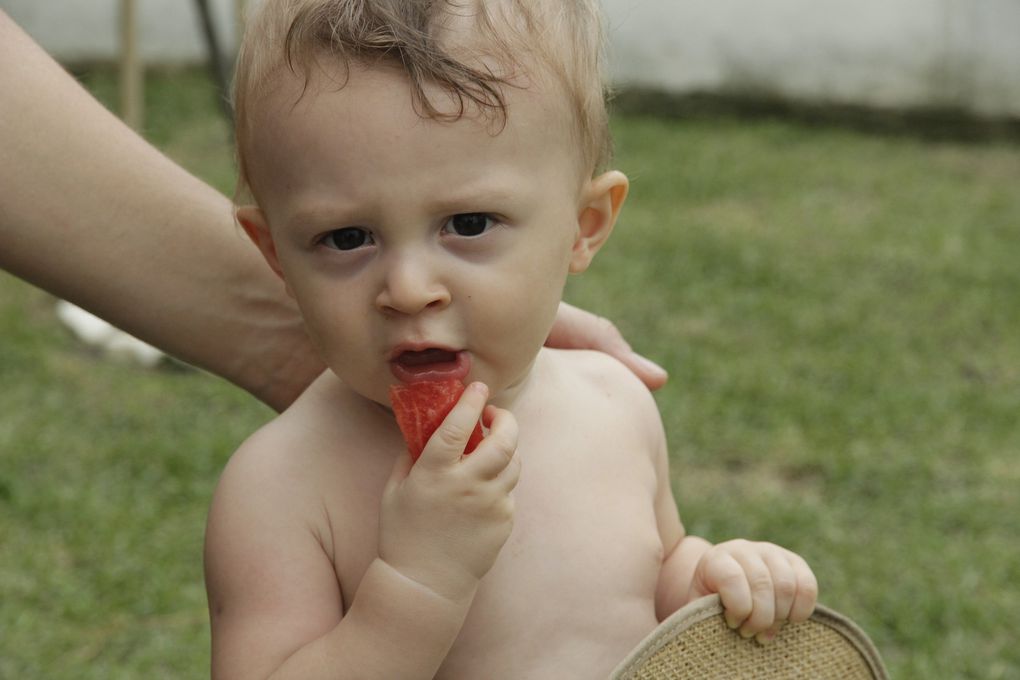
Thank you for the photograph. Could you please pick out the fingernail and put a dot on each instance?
(746, 634)
(651, 365)
(732, 623)
(766, 637)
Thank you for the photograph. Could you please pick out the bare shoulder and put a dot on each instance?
(598, 381)
(286, 451)
(271, 480)
(325, 445)
(601, 376)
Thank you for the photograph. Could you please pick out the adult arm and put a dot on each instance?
(92, 213)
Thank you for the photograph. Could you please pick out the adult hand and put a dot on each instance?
(577, 329)
(94, 214)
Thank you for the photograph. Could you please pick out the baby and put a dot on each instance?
(423, 176)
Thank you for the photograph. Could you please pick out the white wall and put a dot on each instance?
(87, 30)
(875, 52)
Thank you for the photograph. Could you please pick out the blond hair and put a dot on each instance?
(563, 37)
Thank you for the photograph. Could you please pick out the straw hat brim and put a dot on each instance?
(695, 643)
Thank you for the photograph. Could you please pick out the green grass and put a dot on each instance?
(839, 313)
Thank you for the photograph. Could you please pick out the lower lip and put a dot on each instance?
(457, 369)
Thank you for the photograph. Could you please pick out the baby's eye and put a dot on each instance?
(347, 238)
(469, 224)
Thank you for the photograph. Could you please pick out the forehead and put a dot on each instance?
(365, 119)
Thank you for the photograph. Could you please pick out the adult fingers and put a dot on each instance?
(575, 328)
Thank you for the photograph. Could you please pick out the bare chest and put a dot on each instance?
(577, 577)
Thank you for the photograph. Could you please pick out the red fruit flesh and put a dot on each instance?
(420, 408)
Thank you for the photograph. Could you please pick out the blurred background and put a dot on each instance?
(821, 246)
(951, 54)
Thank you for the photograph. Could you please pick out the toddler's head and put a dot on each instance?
(424, 174)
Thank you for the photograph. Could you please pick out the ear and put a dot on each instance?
(253, 220)
(602, 198)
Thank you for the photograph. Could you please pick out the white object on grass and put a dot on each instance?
(112, 341)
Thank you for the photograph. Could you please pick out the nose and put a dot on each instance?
(411, 285)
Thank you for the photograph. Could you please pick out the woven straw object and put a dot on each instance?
(696, 644)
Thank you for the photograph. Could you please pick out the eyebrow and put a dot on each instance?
(317, 217)
(498, 186)
(459, 199)
(476, 197)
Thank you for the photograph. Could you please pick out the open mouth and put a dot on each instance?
(430, 364)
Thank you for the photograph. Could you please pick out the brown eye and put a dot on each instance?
(470, 224)
(347, 238)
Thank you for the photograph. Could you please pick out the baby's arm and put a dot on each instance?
(274, 597)
(761, 585)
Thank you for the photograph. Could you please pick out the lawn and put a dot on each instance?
(839, 313)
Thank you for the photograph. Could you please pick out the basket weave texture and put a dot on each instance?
(696, 644)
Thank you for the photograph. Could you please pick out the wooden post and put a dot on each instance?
(239, 16)
(132, 77)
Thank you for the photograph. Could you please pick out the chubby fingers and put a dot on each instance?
(795, 588)
(754, 608)
(447, 443)
(496, 456)
(761, 586)
(806, 597)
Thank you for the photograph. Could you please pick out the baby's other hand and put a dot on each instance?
(761, 585)
(444, 520)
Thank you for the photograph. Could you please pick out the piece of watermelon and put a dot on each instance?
(421, 407)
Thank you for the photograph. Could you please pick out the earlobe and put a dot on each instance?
(603, 198)
(253, 221)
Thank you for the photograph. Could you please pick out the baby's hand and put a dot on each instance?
(761, 585)
(444, 520)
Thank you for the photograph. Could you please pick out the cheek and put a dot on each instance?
(516, 314)
(532, 288)
(334, 319)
